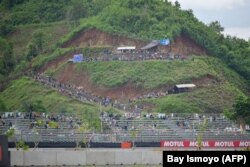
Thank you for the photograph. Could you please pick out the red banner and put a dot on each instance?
(1, 153)
(209, 143)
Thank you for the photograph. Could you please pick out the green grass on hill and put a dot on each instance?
(146, 74)
(42, 60)
(214, 99)
(137, 19)
(23, 35)
(25, 90)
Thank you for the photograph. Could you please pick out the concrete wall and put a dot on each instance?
(85, 157)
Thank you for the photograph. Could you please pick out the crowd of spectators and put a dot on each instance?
(119, 125)
(41, 120)
(134, 56)
(84, 95)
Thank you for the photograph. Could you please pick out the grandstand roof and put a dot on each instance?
(151, 45)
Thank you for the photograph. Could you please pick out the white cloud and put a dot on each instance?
(240, 32)
(210, 4)
(232, 14)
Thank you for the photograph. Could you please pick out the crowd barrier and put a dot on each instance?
(50, 157)
(113, 156)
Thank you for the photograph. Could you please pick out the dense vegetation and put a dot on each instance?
(145, 19)
(7, 61)
(212, 99)
(17, 12)
(31, 33)
(241, 110)
(155, 20)
(26, 95)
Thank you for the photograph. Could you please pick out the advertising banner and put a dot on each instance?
(209, 143)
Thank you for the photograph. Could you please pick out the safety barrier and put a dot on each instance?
(54, 157)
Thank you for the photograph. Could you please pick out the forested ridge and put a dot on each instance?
(145, 19)
(34, 31)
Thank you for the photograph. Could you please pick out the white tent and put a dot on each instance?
(126, 48)
(185, 86)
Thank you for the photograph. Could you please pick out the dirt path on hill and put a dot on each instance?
(182, 45)
(68, 75)
(55, 63)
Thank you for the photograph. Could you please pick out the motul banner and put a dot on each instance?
(1, 153)
(209, 143)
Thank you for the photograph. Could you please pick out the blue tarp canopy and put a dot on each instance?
(78, 58)
(164, 41)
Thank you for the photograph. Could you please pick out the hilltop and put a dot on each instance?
(41, 36)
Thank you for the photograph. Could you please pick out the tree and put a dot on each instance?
(34, 106)
(32, 52)
(241, 112)
(202, 129)
(133, 134)
(37, 45)
(36, 137)
(5, 28)
(12, 133)
(27, 106)
(8, 4)
(3, 107)
(215, 25)
(7, 61)
(177, 4)
(39, 41)
(77, 11)
(83, 130)
(190, 13)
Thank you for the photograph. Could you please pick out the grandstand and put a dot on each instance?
(172, 127)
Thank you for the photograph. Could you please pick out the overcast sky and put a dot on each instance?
(233, 15)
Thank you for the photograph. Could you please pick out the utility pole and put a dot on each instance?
(101, 117)
(193, 130)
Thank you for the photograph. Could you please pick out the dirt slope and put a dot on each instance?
(69, 75)
(182, 46)
(186, 46)
(93, 37)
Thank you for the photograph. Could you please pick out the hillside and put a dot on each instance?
(41, 36)
(130, 80)
(24, 92)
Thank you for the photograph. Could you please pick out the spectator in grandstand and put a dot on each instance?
(32, 124)
(177, 123)
(155, 125)
(2, 122)
(30, 115)
(10, 124)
